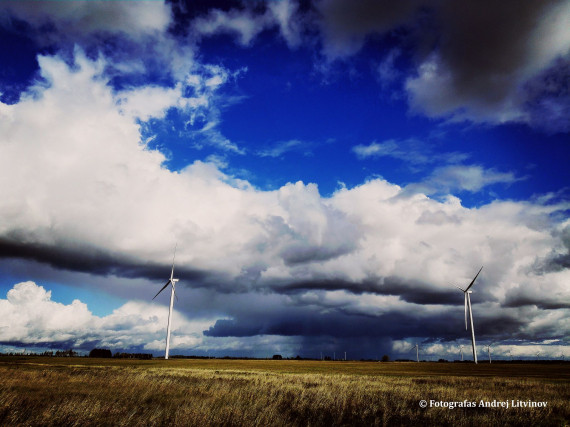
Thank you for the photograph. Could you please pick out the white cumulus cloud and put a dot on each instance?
(29, 316)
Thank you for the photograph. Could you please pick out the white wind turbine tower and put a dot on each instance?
(467, 293)
(461, 351)
(172, 281)
(489, 351)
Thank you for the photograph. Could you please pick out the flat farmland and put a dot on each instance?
(195, 392)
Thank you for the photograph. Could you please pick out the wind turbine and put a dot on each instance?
(461, 351)
(417, 352)
(489, 351)
(511, 354)
(172, 281)
(466, 293)
(538, 355)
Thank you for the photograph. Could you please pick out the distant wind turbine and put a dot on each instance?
(171, 281)
(417, 352)
(538, 355)
(489, 351)
(461, 351)
(467, 293)
(511, 354)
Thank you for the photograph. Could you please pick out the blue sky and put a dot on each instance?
(324, 168)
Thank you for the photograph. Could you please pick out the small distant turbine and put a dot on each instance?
(538, 355)
(171, 281)
(461, 351)
(467, 293)
(417, 352)
(511, 354)
(489, 351)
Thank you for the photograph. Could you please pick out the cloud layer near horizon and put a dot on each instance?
(31, 319)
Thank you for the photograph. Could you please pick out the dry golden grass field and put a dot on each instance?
(37, 391)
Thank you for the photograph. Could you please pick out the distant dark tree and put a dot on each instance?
(298, 357)
(385, 358)
(277, 357)
(100, 352)
(328, 358)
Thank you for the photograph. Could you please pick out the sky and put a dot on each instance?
(328, 172)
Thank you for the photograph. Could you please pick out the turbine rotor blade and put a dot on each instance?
(163, 288)
(461, 289)
(173, 257)
(465, 310)
(475, 278)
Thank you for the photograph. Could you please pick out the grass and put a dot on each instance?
(88, 392)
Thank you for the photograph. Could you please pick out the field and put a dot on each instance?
(89, 392)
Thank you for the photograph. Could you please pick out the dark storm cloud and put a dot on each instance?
(545, 302)
(88, 259)
(305, 321)
(491, 48)
(345, 25)
(557, 261)
(560, 262)
(485, 42)
(493, 61)
(362, 335)
(412, 291)
(498, 324)
(302, 254)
